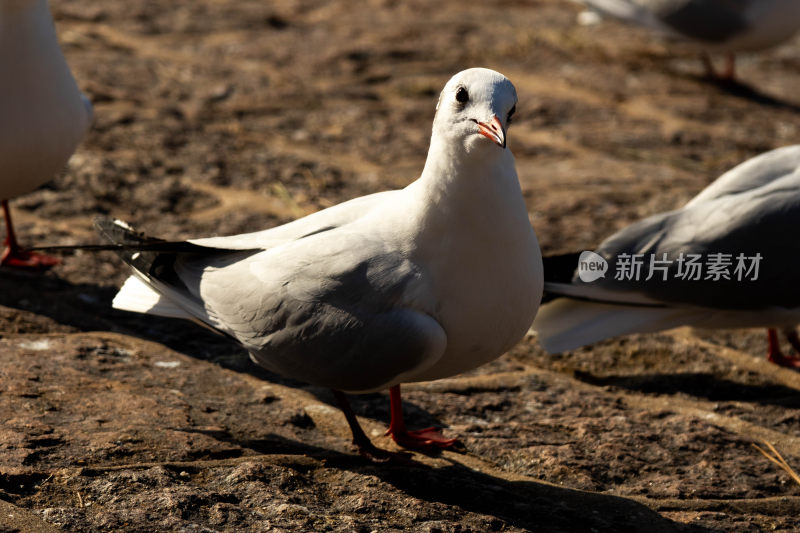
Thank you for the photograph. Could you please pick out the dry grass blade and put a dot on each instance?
(778, 459)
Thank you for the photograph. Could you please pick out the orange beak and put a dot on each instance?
(494, 131)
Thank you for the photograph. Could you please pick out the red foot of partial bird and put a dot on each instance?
(774, 353)
(14, 256)
(422, 439)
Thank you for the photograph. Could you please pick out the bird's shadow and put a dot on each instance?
(747, 92)
(525, 504)
(733, 87)
(700, 385)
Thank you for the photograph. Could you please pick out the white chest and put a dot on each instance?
(486, 272)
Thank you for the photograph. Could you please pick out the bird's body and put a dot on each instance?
(400, 286)
(748, 211)
(723, 26)
(43, 115)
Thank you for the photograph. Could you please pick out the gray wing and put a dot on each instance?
(711, 21)
(758, 221)
(320, 221)
(752, 174)
(336, 309)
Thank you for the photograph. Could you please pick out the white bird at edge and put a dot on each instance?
(395, 287)
(752, 210)
(726, 26)
(43, 115)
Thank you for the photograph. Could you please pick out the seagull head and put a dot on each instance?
(475, 109)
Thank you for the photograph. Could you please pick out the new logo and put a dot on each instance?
(591, 266)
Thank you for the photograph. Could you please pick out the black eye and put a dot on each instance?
(462, 96)
(511, 114)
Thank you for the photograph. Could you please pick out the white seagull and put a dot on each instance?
(395, 287)
(726, 26)
(727, 259)
(43, 115)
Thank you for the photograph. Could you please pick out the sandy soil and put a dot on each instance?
(219, 117)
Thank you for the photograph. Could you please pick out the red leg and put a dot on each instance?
(14, 256)
(360, 439)
(726, 75)
(730, 68)
(774, 354)
(424, 439)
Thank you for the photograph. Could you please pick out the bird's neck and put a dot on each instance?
(476, 191)
(455, 178)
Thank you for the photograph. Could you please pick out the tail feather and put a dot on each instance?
(565, 324)
(574, 314)
(155, 268)
(153, 259)
(137, 296)
(157, 287)
(143, 252)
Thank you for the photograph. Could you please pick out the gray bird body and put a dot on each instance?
(752, 210)
(716, 25)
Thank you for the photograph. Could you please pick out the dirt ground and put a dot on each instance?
(220, 117)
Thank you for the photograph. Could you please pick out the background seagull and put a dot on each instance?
(43, 115)
(752, 210)
(399, 286)
(727, 26)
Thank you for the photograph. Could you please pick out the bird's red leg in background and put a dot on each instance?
(424, 439)
(730, 67)
(774, 354)
(14, 256)
(726, 75)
